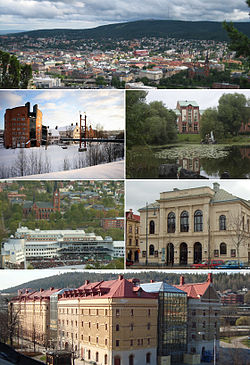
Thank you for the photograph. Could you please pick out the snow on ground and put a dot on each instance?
(112, 170)
(41, 160)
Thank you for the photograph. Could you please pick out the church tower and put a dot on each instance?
(206, 67)
(56, 198)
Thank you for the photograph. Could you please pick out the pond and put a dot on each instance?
(210, 161)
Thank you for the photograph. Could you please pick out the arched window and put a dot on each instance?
(117, 327)
(223, 249)
(106, 359)
(184, 221)
(148, 358)
(131, 359)
(151, 227)
(89, 354)
(198, 221)
(96, 356)
(222, 223)
(171, 222)
(151, 250)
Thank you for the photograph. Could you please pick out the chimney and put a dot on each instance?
(120, 277)
(41, 290)
(216, 187)
(86, 282)
(182, 281)
(209, 277)
(152, 281)
(51, 288)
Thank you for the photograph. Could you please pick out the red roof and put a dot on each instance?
(119, 288)
(131, 215)
(194, 291)
(35, 294)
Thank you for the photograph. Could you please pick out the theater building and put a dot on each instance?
(188, 226)
(23, 127)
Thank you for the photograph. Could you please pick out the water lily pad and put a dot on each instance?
(193, 151)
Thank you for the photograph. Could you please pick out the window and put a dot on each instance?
(130, 229)
(223, 249)
(105, 359)
(131, 342)
(151, 250)
(148, 326)
(132, 312)
(184, 221)
(131, 359)
(117, 327)
(89, 354)
(171, 222)
(117, 312)
(131, 327)
(149, 312)
(233, 253)
(117, 343)
(222, 223)
(148, 358)
(198, 221)
(151, 227)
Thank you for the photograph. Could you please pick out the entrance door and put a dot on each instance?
(170, 254)
(183, 254)
(117, 360)
(197, 253)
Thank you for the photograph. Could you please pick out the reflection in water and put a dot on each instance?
(191, 164)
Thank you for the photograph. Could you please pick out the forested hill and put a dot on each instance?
(202, 30)
(222, 281)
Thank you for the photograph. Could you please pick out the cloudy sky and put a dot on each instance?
(10, 278)
(140, 192)
(61, 107)
(204, 97)
(41, 14)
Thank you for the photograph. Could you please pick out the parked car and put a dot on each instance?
(233, 264)
(212, 264)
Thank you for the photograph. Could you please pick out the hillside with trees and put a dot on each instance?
(13, 74)
(204, 30)
(222, 281)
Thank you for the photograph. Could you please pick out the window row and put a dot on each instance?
(184, 222)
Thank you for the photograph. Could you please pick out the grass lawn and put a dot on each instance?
(246, 342)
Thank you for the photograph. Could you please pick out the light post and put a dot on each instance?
(146, 234)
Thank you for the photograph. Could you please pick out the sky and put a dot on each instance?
(41, 14)
(140, 192)
(62, 107)
(205, 98)
(10, 278)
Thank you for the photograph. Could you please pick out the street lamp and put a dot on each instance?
(146, 234)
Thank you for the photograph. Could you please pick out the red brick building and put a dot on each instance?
(43, 210)
(22, 127)
(188, 117)
(108, 223)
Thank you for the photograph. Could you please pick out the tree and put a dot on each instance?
(210, 122)
(239, 235)
(240, 43)
(13, 74)
(232, 112)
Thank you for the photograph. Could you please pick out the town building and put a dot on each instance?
(132, 236)
(43, 210)
(32, 310)
(23, 127)
(203, 71)
(36, 246)
(203, 320)
(109, 322)
(109, 223)
(171, 321)
(189, 226)
(188, 117)
(123, 321)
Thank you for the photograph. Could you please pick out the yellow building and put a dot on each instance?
(110, 323)
(132, 236)
(191, 225)
(32, 309)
